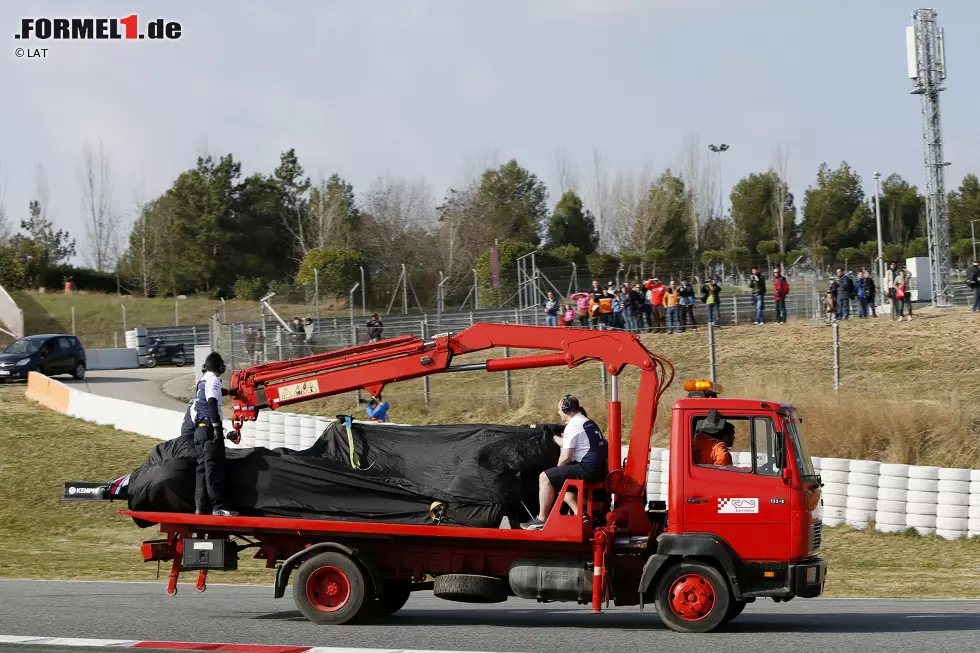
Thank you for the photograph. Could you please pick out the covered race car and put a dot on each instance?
(467, 475)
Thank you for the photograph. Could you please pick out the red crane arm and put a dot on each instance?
(370, 367)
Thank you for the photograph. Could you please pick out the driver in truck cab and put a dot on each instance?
(711, 450)
(583, 456)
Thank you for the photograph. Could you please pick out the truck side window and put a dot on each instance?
(764, 437)
(753, 450)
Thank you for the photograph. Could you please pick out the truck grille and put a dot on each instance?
(816, 535)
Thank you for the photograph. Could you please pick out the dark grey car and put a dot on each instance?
(49, 354)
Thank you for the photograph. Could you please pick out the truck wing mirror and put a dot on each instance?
(781, 450)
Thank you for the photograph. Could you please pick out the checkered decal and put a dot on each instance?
(737, 505)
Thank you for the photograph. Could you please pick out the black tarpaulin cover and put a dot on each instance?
(481, 472)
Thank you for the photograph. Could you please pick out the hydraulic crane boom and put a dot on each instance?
(371, 366)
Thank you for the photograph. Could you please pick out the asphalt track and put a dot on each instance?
(249, 614)
(142, 385)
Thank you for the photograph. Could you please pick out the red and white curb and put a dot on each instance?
(192, 646)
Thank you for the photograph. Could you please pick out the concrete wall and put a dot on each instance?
(111, 359)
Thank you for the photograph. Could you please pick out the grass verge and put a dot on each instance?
(43, 537)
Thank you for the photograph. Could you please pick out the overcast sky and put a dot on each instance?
(433, 88)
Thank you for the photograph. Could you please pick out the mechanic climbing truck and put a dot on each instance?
(725, 537)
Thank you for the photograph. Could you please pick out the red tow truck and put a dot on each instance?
(725, 537)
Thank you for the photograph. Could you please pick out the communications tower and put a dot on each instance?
(927, 70)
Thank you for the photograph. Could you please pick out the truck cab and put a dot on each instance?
(757, 518)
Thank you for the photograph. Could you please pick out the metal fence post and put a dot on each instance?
(605, 381)
(471, 319)
(279, 340)
(836, 357)
(712, 366)
(176, 313)
(73, 320)
(115, 339)
(425, 379)
(231, 345)
(194, 334)
(735, 310)
(517, 316)
(124, 318)
(507, 378)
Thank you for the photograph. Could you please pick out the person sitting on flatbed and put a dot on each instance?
(583, 457)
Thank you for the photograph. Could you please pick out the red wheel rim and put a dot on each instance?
(328, 589)
(691, 597)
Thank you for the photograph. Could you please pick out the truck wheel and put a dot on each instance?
(467, 588)
(734, 609)
(392, 599)
(693, 597)
(330, 589)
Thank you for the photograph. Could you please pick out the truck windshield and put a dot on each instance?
(794, 426)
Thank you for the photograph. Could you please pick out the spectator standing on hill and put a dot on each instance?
(710, 295)
(973, 281)
(259, 355)
(645, 318)
(893, 278)
(757, 284)
(633, 309)
(250, 344)
(618, 310)
(845, 291)
(687, 305)
(568, 316)
(658, 292)
(375, 328)
(672, 301)
(606, 309)
(862, 295)
(830, 302)
(780, 290)
(551, 310)
(906, 294)
(595, 311)
(308, 328)
(870, 292)
(581, 300)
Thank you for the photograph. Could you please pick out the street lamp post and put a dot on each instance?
(881, 256)
(718, 149)
(973, 239)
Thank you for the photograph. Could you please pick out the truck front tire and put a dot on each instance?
(693, 597)
(330, 589)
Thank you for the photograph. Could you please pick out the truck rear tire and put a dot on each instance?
(467, 588)
(392, 599)
(693, 597)
(734, 609)
(330, 589)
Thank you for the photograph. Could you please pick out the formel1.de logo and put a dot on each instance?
(96, 29)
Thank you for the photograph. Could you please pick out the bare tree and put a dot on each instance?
(41, 190)
(780, 195)
(567, 174)
(628, 210)
(701, 189)
(141, 254)
(101, 223)
(599, 199)
(6, 231)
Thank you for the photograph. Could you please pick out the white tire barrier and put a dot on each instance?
(923, 484)
(890, 518)
(859, 478)
(833, 515)
(953, 499)
(835, 488)
(916, 509)
(954, 487)
(833, 476)
(954, 474)
(864, 466)
(973, 512)
(839, 500)
(950, 534)
(928, 473)
(920, 521)
(890, 528)
(952, 523)
(864, 491)
(888, 494)
(858, 518)
(836, 464)
(898, 507)
(893, 482)
(861, 503)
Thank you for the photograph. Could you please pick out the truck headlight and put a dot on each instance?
(22, 362)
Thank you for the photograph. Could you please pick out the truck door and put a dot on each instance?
(747, 503)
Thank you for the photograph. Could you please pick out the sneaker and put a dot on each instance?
(533, 525)
(224, 513)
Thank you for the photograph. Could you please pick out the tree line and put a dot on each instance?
(217, 232)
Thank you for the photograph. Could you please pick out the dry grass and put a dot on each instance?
(43, 537)
(908, 390)
(98, 316)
